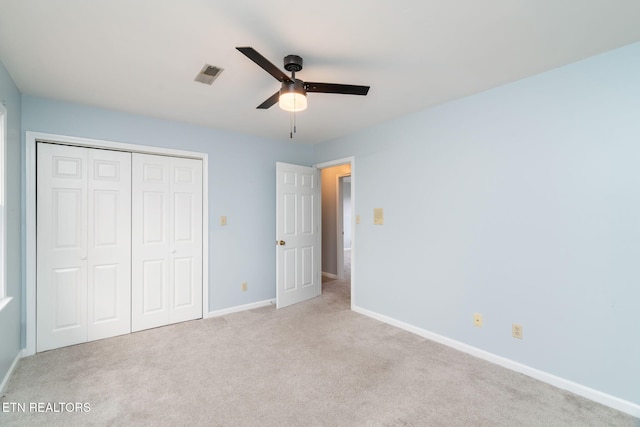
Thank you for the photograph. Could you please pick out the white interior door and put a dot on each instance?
(297, 234)
(83, 243)
(61, 246)
(167, 240)
(185, 286)
(150, 242)
(109, 243)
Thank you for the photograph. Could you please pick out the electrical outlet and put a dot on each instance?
(516, 331)
(244, 286)
(477, 320)
(378, 216)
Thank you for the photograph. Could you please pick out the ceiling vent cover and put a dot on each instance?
(208, 74)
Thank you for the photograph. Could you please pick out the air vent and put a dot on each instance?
(208, 74)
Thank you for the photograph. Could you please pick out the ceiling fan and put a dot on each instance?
(292, 95)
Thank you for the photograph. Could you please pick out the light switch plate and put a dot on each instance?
(223, 220)
(378, 216)
(357, 219)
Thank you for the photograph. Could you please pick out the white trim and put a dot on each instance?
(579, 389)
(30, 244)
(329, 275)
(30, 194)
(112, 145)
(7, 376)
(4, 124)
(332, 163)
(205, 235)
(244, 307)
(348, 160)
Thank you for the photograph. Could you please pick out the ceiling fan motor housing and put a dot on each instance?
(293, 63)
(297, 86)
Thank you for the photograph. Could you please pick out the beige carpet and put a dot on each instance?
(312, 364)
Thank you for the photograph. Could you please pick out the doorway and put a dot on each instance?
(338, 233)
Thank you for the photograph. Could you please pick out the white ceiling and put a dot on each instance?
(141, 56)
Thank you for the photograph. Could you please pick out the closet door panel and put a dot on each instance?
(186, 240)
(61, 301)
(109, 260)
(150, 241)
(167, 240)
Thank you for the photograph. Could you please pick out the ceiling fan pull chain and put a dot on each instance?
(292, 121)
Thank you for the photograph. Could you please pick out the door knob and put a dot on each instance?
(281, 242)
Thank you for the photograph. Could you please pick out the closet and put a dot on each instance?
(119, 243)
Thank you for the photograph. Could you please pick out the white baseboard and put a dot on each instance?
(329, 275)
(6, 378)
(239, 308)
(579, 389)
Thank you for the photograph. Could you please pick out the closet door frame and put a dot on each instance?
(30, 203)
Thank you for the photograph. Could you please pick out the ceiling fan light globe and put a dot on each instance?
(293, 101)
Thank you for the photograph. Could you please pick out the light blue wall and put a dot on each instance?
(241, 186)
(10, 316)
(521, 203)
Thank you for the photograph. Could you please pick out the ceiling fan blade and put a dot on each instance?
(266, 65)
(336, 88)
(273, 99)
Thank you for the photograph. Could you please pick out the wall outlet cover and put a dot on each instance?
(378, 216)
(516, 331)
(477, 320)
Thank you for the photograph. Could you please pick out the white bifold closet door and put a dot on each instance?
(166, 240)
(83, 245)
